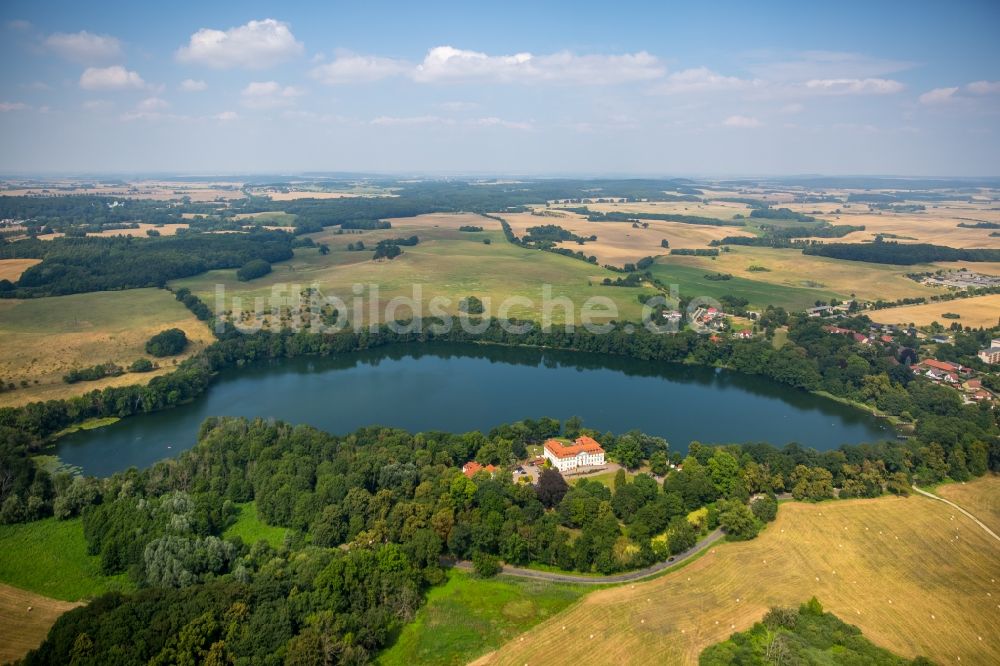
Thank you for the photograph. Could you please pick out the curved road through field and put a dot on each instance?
(952, 504)
(602, 580)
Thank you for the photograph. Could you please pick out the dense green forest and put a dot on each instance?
(806, 636)
(891, 252)
(75, 265)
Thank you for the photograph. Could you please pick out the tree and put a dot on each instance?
(681, 535)
(551, 488)
(736, 519)
(253, 269)
(485, 565)
(765, 508)
(167, 343)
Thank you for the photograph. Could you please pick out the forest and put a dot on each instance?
(890, 252)
(76, 265)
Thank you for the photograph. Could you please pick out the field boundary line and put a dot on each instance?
(952, 504)
(626, 577)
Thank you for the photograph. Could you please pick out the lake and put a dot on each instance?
(458, 388)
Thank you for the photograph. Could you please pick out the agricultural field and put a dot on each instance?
(981, 498)
(914, 575)
(466, 616)
(25, 619)
(790, 269)
(11, 269)
(447, 263)
(275, 218)
(619, 243)
(978, 311)
(251, 529)
(43, 338)
(142, 231)
(938, 224)
(49, 557)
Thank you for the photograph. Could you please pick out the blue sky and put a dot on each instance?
(613, 88)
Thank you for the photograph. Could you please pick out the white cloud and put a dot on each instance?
(151, 104)
(791, 109)
(39, 85)
(493, 121)
(741, 121)
(254, 45)
(115, 77)
(702, 79)
(938, 95)
(411, 120)
(226, 116)
(448, 64)
(98, 105)
(83, 46)
(13, 106)
(868, 86)
(192, 85)
(352, 68)
(826, 65)
(268, 95)
(458, 106)
(983, 87)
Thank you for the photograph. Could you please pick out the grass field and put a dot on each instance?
(618, 242)
(43, 338)
(11, 269)
(22, 629)
(977, 311)
(251, 529)
(447, 263)
(692, 282)
(981, 498)
(916, 579)
(817, 277)
(467, 616)
(50, 557)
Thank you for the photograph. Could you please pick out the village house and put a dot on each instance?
(744, 334)
(470, 469)
(584, 452)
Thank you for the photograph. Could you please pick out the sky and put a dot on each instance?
(513, 88)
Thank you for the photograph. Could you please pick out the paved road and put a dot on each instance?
(601, 580)
(952, 504)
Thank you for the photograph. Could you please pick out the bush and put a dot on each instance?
(485, 565)
(471, 305)
(141, 365)
(167, 343)
(253, 269)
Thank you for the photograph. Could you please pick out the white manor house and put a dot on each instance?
(584, 452)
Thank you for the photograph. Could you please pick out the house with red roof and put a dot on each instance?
(584, 452)
(470, 469)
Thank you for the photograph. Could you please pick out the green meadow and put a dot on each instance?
(50, 557)
(251, 529)
(468, 617)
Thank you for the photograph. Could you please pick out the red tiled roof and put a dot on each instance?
(582, 444)
(470, 468)
(940, 365)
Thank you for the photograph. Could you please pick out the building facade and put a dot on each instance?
(584, 452)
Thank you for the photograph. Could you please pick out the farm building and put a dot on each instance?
(472, 467)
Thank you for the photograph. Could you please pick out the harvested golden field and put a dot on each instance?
(981, 498)
(723, 210)
(144, 227)
(43, 338)
(11, 269)
(619, 242)
(913, 574)
(791, 268)
(23, 629)
(977, 311)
